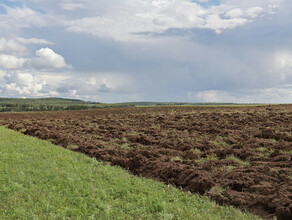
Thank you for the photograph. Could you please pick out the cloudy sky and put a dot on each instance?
(147, 50)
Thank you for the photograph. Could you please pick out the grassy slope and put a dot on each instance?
(41, 181)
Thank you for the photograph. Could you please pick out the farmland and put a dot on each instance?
(238, 156)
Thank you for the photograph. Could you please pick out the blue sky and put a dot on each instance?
(147, 50)
(207, 4)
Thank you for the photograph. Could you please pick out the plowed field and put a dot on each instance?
(240, 156)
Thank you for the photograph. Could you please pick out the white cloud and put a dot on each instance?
(283, 65)
(22, 17)
(72, 6)
(284, 59)
(254, 12)
(234, 13)
(33, 41)
(17, 45)
(216, 23)
(124, 20)
(32, 83)
(12, 62)
(47, 58)
(8, 46)
(23, 84)
(280, 94)
(105, 82)
(29, 83)
(2, 74)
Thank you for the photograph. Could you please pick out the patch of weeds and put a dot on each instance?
(212, 156)
(165, 134)
(275, 172)
(219, 141)
(176, 159)
(228, 167)
(196, 151)
(264, 152)
(217, 190)
(136, 146)
(22, 130)
(124, 139)
(72, 147)
(156, 126)
(102, 142)
(98, 136)
(133, 133)
(261, 155)
(114, 142)
(274, 140)
(125, 146)
(215, 142)
(261, 149)
(270, 152)
(286, 152)
(191, 139)
(236, 159)
(279, 173)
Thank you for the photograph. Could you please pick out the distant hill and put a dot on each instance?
(50, 104)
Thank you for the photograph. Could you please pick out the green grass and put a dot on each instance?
(236, 159)
(41, 181)
(197, 151)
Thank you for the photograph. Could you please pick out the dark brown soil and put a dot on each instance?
(239, 156)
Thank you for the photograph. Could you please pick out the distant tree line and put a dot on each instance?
(59, 104)
(52, 104)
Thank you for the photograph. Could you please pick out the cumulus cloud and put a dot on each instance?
(47, 58)
(29, 83)
(23, 83)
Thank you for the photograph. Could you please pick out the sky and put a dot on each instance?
(147, 50)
